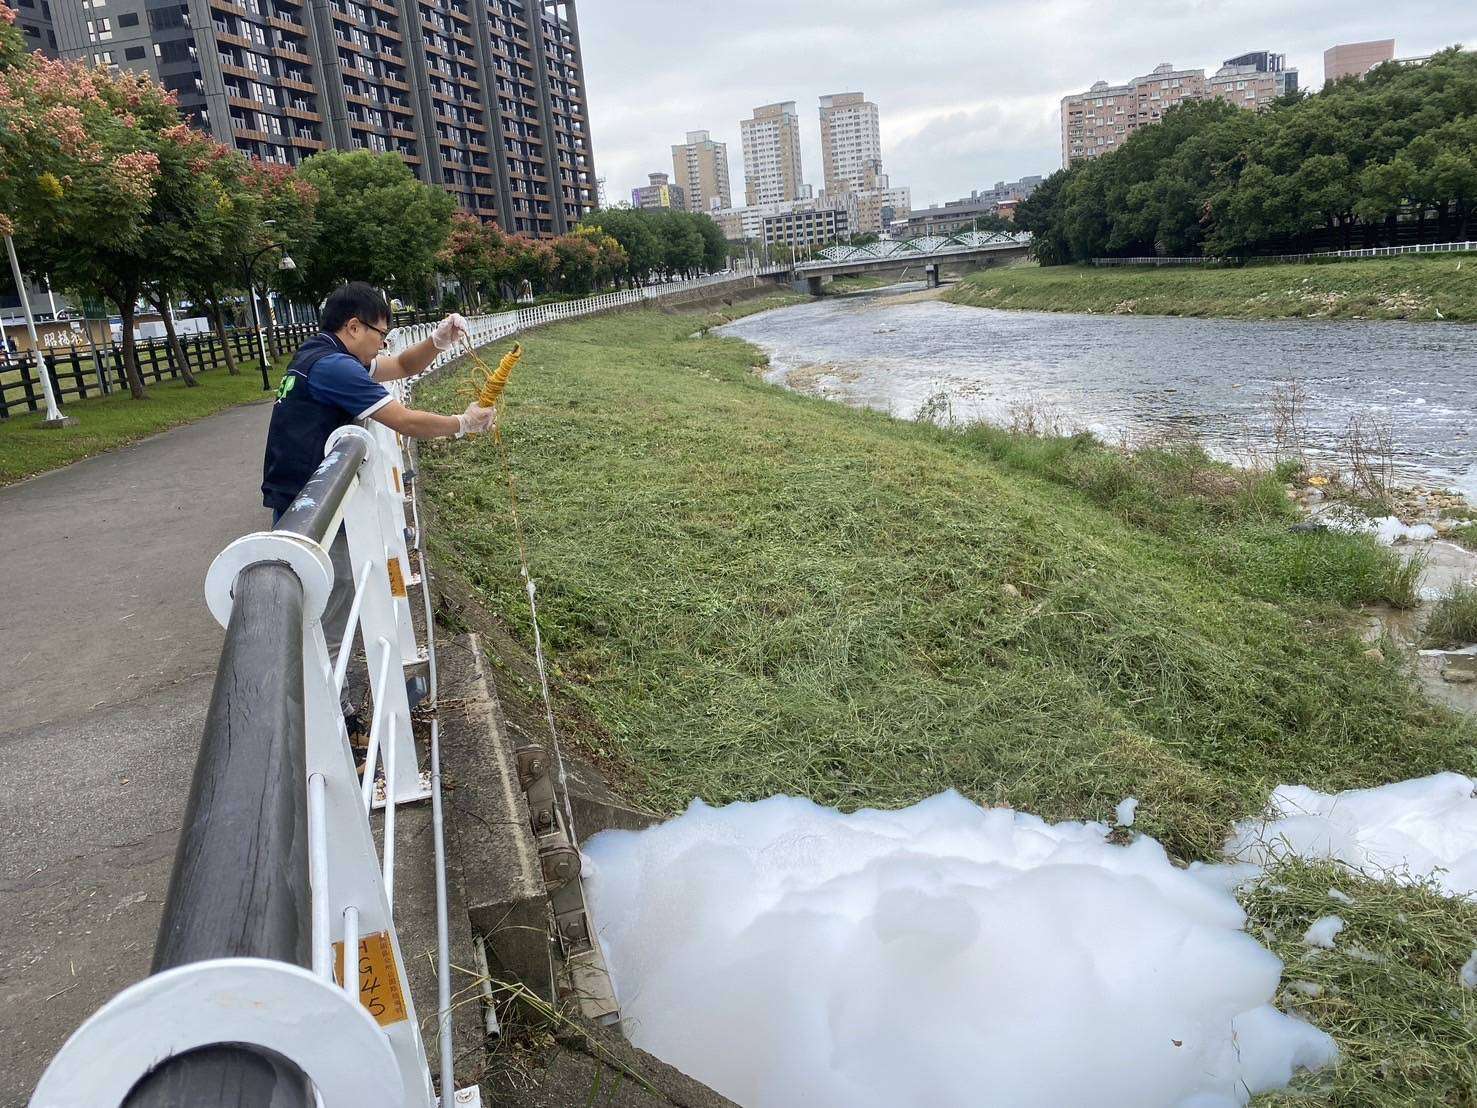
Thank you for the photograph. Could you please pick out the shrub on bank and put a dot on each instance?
(1453, 621)
(1239, 518)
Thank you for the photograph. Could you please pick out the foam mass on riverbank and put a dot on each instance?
(747, 592)
(786, 954)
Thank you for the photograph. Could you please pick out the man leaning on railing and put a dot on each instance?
(333, 380)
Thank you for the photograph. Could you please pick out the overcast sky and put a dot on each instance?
(968, 91)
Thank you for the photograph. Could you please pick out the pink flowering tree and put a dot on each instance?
(79, 177)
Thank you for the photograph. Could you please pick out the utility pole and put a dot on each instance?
(54, 417)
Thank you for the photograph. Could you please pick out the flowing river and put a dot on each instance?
(1140, 376)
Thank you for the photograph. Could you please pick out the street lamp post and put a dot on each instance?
(54, 417)
(286, 264)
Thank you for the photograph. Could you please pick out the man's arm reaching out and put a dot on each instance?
(412, 360)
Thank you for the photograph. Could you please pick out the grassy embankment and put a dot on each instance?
(108, 422)
(745, 591)
(1415, 287)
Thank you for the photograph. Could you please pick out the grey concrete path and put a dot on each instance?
(109, 658)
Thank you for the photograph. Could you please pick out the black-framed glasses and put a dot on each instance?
(382, 332)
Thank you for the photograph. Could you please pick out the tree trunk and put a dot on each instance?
(161, 303)
(218, 321)
(130, 351)
(97, 355)
(267, 327)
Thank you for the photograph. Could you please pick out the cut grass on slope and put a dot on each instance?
(1417, 287)
(758, 592)
(1389, 992)
(746, 591)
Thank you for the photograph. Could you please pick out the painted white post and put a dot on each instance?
(355, 878)
(370, 540)
(54, 417)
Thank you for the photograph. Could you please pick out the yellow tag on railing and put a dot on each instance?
(379, 977)
(395, 470)
(397, 578)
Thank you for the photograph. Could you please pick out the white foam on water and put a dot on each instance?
(1386, 529)
(1425, 828)
(786, 954)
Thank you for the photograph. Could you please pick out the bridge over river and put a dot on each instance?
(926, 255)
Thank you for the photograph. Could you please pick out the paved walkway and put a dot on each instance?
(109, 655)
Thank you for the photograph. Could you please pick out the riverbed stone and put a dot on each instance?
(1459, 669)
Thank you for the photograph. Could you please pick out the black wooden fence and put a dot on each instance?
(76, 373)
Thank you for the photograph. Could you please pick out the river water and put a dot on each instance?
(1140, 377)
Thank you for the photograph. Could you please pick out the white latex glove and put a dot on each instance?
(450, 331)
(475, 420)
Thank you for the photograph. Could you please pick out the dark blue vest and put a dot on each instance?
(298, 433)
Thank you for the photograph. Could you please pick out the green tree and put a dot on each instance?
(1041, 214)
(1364, 162)
(467, 254)
(715, 246)
(576, 259)
(375, 222)
(637, 237)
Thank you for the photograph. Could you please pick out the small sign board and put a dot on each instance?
(379, 977)
(397, 577)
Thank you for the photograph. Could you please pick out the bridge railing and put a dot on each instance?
(921, 247)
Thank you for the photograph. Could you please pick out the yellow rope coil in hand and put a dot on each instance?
(495, 380)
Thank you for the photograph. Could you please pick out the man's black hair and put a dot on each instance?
(356, 300)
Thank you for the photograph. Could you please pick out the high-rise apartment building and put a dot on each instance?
(851, 142)
(34, 21)
(1253, 80)
(771, 141)
(1101, 119)
(700, 169)
(1355, 59)
(658, 193)
(1264, 61)
(483, 97)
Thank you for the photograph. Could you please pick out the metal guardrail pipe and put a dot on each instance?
(318, 504)
(239, 887)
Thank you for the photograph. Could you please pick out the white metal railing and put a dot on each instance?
(347, 1023)
(363, 1044)
(1273, 259)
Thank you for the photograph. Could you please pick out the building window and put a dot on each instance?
(128, 19)
(134, 53)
